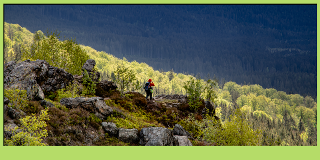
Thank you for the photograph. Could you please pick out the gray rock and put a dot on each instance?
(176, 105)
(5, 100)
(13, 113)
(180, 131)
(183, 140)
(128, 135)
(183, 100)
(70, 102)
(157, 136)
(89, 67)
(36, 77)
(104, 87)
(110, 128)
(46, 103)
(103, 108)
(100, 116)
(155, 142)
(94, 105)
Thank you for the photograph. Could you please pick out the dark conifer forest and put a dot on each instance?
(271, 45)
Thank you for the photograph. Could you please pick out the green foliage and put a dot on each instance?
(296, 100)
(236, 132)
(131, 115)
(88, 84)
(65, 54)
(138, 119)
(262, 114)
(112, 141)
(193, 126)
(209, 90)
(31, 132)
(194, 88)
(94, 120)
(125, 77)
(14, 37)
(253, 99)
(17, 98)
(69, 92)
(171, 75)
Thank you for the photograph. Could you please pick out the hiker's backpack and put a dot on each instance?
(146, 87)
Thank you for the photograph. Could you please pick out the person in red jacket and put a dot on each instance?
(149, 89)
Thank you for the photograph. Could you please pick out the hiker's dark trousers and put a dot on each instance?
(149, 94)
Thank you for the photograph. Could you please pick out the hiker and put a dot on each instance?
(148, 88)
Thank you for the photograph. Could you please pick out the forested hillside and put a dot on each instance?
(275, 117)
(250, 44)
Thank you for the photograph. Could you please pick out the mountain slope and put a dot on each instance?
(290, 118)
(228, 41)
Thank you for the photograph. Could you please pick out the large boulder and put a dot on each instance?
(110, 128)
(89, 67)
(183, 140)
(104, 88)
(157, 136)
(36, 77)
(128, 135)
(94, 105)
(180, 131)
(15, 113)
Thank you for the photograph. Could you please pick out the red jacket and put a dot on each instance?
(151, 84)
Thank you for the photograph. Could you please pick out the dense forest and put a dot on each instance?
(277, 118)
(230, 42)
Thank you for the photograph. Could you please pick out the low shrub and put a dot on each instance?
(31, 132)
(33, 107)
(18, 98)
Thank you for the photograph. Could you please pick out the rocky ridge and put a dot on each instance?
(38, 78)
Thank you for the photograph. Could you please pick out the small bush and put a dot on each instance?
(68, 92)
(193, 126)
(235, 132)
(88, 84)
(32, 131)
(34, 107)
(18, 98)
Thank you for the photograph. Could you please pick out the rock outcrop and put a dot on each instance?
(128, 135)
(94, 105)
(36, 77)
(157, 136)
(180, 131)
(182, 140)
(110, 128)
(89, 67)
(105, 88)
